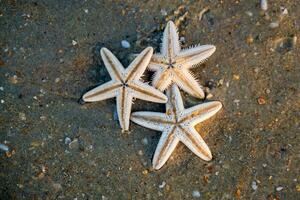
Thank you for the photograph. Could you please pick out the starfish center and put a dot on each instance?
(171, 64)
(124, 84)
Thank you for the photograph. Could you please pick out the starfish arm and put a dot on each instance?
(124, 104)
(188, 83)
(191, 138)
(170, 42)
(162, 79)
(199, 113)
(112, 64)
(157, 62)
(175, 103)
(135, 70)
(146, 92)
(102, 92)
(166, 145)
(195, 55)
(152, 120)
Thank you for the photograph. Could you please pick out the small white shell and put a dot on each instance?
(264, 5)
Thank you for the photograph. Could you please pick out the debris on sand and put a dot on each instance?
(125, 44)
(264, 5)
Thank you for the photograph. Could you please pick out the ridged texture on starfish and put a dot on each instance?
(176, 125)
(125, 85)
(173, 65)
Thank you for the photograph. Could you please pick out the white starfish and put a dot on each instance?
(125, 85)
(177, 124)
(172, 64)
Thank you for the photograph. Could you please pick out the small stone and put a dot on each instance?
(236, 101)
(256, 69)
(162, 185)
(1, 89)
(43, 118)
(249, 39)
(279, 188)
(236, 77)
(22, 116)
(74, 144)
(57, 80)
(2, 101)
(140, 152)
(163, 12)
(283, 10)
(254, 185)
(264, 165)
(145, 172)
(68, 140)
(268, 91)
(264, 5)
(274, 24)
(261, 100)
(4, 147)
(209, 96)
(125, 44)
(86, 10)
(220, 82)
(250, 14)
(13, 79)
(74, 42)
(196, 194)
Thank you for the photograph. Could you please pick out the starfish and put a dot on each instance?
(177, 124)
(173, 65)
(125, 85)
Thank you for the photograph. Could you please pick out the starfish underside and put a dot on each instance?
(125, 85)
(173, 65)
(176, 125)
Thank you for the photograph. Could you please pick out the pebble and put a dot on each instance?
(196, 194)
(140, 152)
(86, 10)
(264, 5)
(145, 172)
(236, 77)
(274, 24)
(249, 39)
(74, 42)
(68, 140)
(1, 88)
(2, 101)
(236, 101)
(13, 79)
(209, 96)
(279, 188)
(261, 101)
(74, 144)
(57, 80)
(254, 185)
(250, 14)
(268, 91)
(284, 11)
(4, 147)
(125, 44)
(162, 185)
(43, 118)
(22, 116)
(264, 165)
(163, 12)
